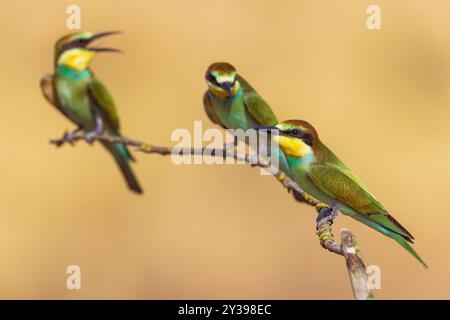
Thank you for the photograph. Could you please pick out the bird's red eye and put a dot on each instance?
(295, 132)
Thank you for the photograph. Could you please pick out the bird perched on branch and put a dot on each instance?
(80, 96)
(232, 103)
(322, 175)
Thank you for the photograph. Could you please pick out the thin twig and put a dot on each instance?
(286, 181)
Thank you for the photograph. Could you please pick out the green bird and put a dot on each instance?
(321, 174)
(80, 96)
(232, 103)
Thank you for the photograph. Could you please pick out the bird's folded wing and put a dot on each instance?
(48, 89)
(256, 106)
(104, 102)
(209, 109)
(340, 183)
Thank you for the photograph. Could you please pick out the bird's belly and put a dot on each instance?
(232, 120)
(304, 182)
(76, 105)
(233, 115)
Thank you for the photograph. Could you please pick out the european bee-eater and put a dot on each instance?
(322, 175)
(232, 103)
(80, 96)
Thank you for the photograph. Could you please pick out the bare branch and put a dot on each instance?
(355, 266)
(326, 238)
(140, 146)
(353, 258)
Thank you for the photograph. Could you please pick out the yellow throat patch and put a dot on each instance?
(293, 147)
(76, 58)
(222, 94)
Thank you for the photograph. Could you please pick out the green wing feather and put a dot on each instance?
(210, 111)
(339, 182)
(256, 106)
(48, 90)
(105, 102)
(261, 112)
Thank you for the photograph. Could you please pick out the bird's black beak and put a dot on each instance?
(100, 36)
(228, 86)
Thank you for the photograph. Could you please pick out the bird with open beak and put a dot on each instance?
(82, 98)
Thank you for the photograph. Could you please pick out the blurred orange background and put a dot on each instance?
(379, 99)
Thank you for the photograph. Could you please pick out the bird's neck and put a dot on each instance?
(319, 153)
(71, 73)
(305, 157)
(228, 100)
(303, 163)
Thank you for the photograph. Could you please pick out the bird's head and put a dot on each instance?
(296, 138)
(221, 79)
(73, 50)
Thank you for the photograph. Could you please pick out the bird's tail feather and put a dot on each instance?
(408, 248)
(123, 158)
(401, 239)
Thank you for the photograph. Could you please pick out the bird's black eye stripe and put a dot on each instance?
(81, 42)
(212, 79)
(67, 47)
(294, 133)
(306, 137)
(74, 44)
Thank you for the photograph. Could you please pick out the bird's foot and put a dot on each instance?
(92, 135)
(68, 137)
(326, 214)
(99, 127)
